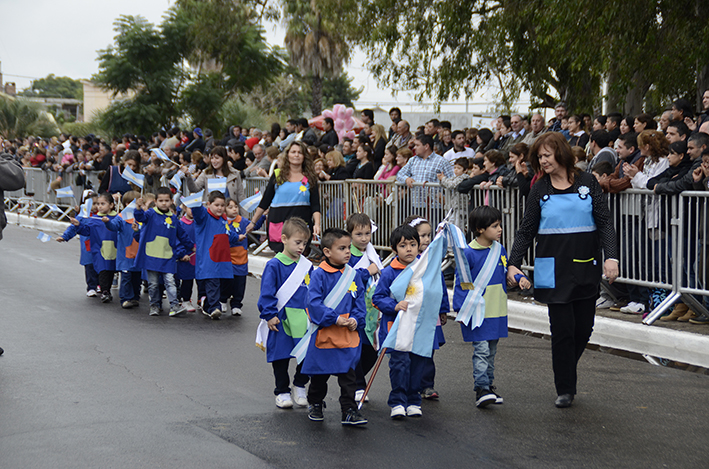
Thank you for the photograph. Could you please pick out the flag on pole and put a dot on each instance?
(176, 180)
(130, 176)
(54, 208)
(195, 200)
(44, 237)
(216, 184)
(127, 213)
(85, 211)
(458, 243)
(252, 202)
(161, 155)
(420, 284)
(65, 192)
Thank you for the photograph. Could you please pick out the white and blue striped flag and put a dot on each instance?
(195, 200)
(127, 213)
(85, 211)
(216, 184)
(130, 176)
(250, 203)
(65, 192)
(54, 208)
(161, 155)
(176, 180)
(44, 237)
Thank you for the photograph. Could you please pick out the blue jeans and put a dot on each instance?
(405, 371)
(130, 286)
(91, 277)
(154, 288)
(484, 363)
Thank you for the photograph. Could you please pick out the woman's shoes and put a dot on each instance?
(564, 400)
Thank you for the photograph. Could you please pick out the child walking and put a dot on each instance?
(185, 273)
(127, 246)
(282, 303)
(236, 286)
(85, 258)
(337, 309)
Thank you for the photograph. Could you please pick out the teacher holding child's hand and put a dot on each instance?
(571, 222)
(292, 191)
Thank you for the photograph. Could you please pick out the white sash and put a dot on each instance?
(474, 304)
(369, 256)
(292, 283)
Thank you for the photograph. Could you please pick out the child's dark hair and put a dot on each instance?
(358, 219)
(405, 232)
(230, 201)
(482, 217)
(414, 220)
(331, 235)
(129, 197)
(602, 168)
(164, 191)
(462, 162)
(294, 226)
(479, 162)
(108, 198)
(214, 195)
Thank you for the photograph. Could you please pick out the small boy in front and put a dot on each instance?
(283, 303)
(158, 247)
(405, 368)
(239, 260)
(337, 308)
(127, 246)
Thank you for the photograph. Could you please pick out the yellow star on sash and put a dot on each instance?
(353, 288)
(504, 260)
(306, 280)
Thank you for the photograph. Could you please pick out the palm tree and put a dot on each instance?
(20, 118)
(315, 45)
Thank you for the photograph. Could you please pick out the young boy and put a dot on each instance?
(460, 201)
(239, 260)
(186, 269)
(85, 259)
(127, 246)
(159, 245)
(213, 261)
(368, 265)
(405, 368)
(337, 308)
(282, 303)
(485, 223)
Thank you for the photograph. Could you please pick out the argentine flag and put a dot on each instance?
(130, 176)
(161, 155)
(65, 192)
(420, 284)
(44, 237)
(54, 208)
(195, 200)
(176, 180)
(127, 213)
(216, 184)
(85, 211)
(252, 202)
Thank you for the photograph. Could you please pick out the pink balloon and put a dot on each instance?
(349, 123)
(348, 112)
(351, 134)
(328, 113)
(339, 125)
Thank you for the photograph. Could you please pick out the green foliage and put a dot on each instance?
(55, 87)
(20, 118)
(82, 128)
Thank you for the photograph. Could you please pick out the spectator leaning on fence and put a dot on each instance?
(218, 167)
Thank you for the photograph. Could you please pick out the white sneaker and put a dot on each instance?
(414, 411)
(284, 401)
(189, 307)
(91, 293)
(633, 308)
(236, 311)
(358, 395)
(398, 412)
(224, 307)
(216, 314)
(299, 396)
(603, 302)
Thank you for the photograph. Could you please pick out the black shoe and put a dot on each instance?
(703, 319)
(315, 412)
(484, 397)
(353, 417)
(1, 351)
(498, 398)
(564, 400)
(106, 298)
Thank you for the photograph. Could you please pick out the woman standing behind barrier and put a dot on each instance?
(566, 214)
(113, 181)
(218, 167)
(292, 191)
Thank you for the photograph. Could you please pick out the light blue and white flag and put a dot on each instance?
(420, 285)
(250, 203)
(458, 243)
(161, 155)
(176, 180)
(130, 176)
(472, 312)
(216, 184)
(85, 211)
(195, 200)
(65, 192)
(127, 213)
(44, 237)
(54, 208)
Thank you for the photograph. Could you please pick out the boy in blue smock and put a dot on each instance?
(405, 368)
(337, 309)
(159, 245)
(90, 274)
(236, 286)
(186, 269)
(487, 263)
(283, 303)
(127, 247)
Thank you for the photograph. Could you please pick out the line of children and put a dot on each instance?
(127, 247)
(186, 268)
(86, 258)
(236, 286)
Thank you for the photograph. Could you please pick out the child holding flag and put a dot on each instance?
(487, 264)
(337, 309)
(186, 269)
(283, 303)
(127, 246)
(88, 208)
(239, 260)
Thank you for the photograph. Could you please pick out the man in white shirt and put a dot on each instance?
(459, 149)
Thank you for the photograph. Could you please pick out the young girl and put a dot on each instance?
(365, 168)
(239, 261)
(127, 247)
(387, 171)
(103, 242)
(423, 228)
(85, 245)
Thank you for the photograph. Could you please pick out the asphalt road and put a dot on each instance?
(84, 384)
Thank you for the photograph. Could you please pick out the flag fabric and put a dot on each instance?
(65, 192)
(44, 237)
(458, 243)
(161, 155)
(176, 180)
(54, 208)
(301, 348)
(85, 211)
(127, 213)
(130, 176)
(262, 335)
(194, 200)
(420, 285)
(216, 184)
(250, 203)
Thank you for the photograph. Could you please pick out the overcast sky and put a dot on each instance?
(39, 37)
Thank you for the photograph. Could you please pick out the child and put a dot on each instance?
(213, 261)
(364, 259)
(283, 301)
(102, 243)
(423, 228)
(405, 369)
(337, 308)
(602, 169)
(485, 222)
(185, 269)
(239, 260)
(127, 246)
(158, 247)
(460, 201)
(85, 259)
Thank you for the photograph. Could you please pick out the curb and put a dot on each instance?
(36, 223)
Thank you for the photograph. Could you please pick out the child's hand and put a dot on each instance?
(185, 258)
(440, 176)
(136, 227)
(60, 239)
(352, 324)
(342, 322)
(105, 219)
(373, 269)
(524, 283)
(242, 237)
(74, 221)
(444, 318)
(139, 203)
(402, 306)
(273, 324)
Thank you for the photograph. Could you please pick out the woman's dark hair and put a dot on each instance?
(485, 135)
(679, 147)
(579, 119)
(520, 149)
(307, 167)
(629, 121)
(482, 217)
(132, 155)
(403, 232)
(370, 152)
(275, 129)
(602, 120)
(221, 152)
(557, 144)
(495, 157)
(647, 119)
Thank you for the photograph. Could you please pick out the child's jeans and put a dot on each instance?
(280, 372)
(484, 363)
(154, 288)
(91, 277)
(130, 286)
(233, 288)
(405, 371)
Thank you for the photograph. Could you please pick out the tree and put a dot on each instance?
(20, 118)
(55, 87)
